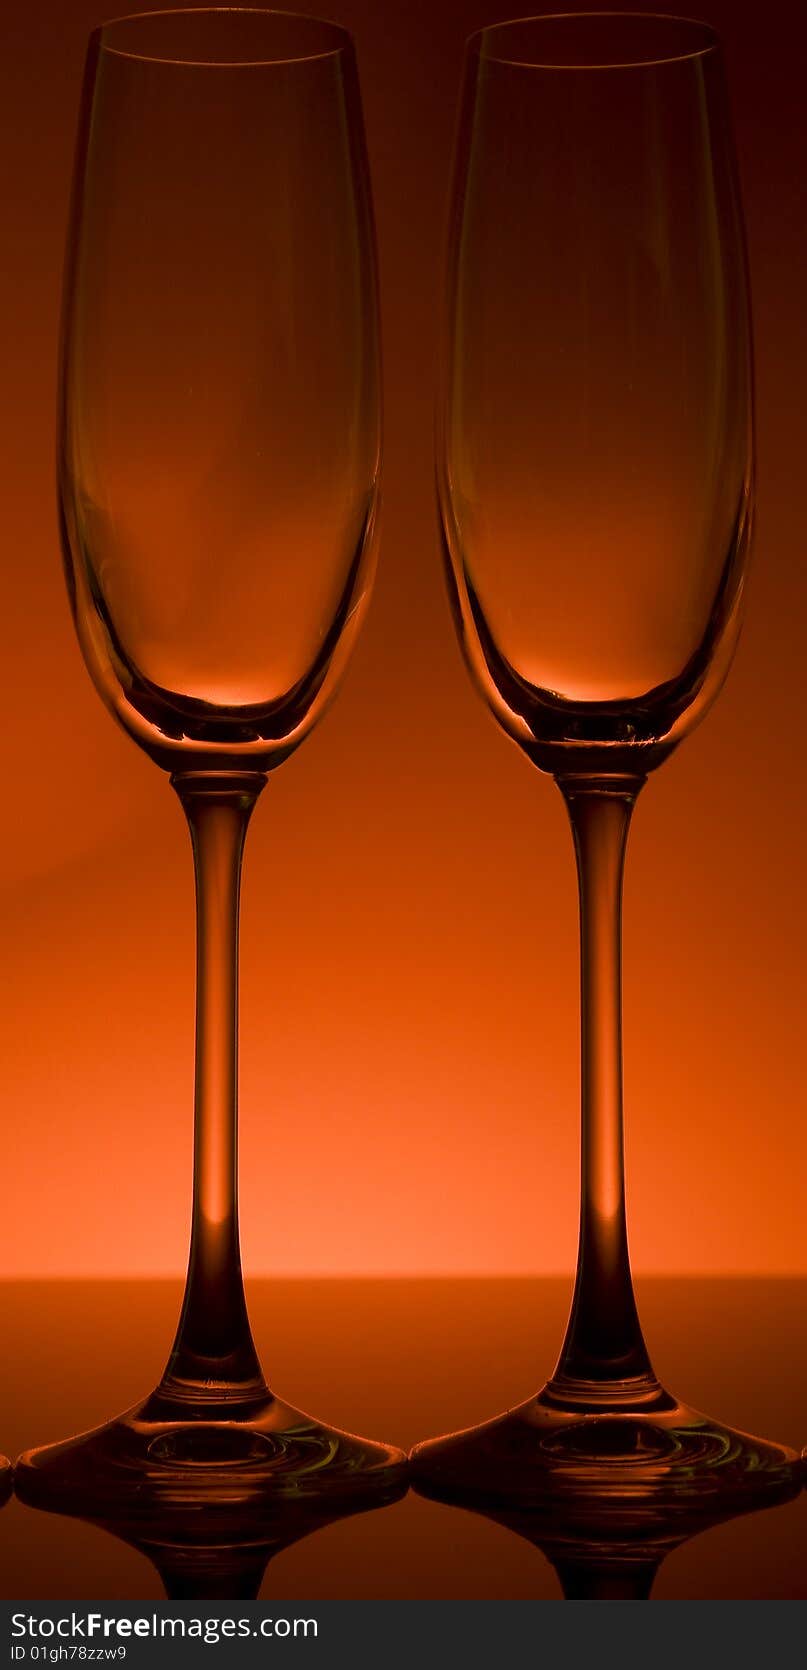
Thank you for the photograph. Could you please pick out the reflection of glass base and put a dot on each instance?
(667, 1455)
(613, 1549)
(6, 1478)
(213, 1551)
(156, 1456)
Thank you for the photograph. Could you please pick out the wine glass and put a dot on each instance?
(594, 459)
(219, 437)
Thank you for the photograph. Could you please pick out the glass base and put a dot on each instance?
(265, 1461)
(664, 1455)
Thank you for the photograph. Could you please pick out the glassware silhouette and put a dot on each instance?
(219, 444)
(594, 464)
(213, 1553)
(613, 1551)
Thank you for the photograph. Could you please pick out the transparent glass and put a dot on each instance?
(595, 468)
(219, 444)
(219, 407)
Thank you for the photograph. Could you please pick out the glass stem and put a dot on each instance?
(214, 1359)
(604, 1359)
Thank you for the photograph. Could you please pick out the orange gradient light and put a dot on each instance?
(409, 944)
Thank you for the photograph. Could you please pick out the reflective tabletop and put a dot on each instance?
(403, 1359)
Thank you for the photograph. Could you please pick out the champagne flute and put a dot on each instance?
(219, 443)
(594, 459)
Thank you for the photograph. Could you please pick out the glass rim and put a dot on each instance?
(340, 38)
(706, 40)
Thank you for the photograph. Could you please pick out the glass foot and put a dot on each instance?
(158, 1456)
(666, 1454)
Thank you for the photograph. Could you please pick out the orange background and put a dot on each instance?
(409, 969)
